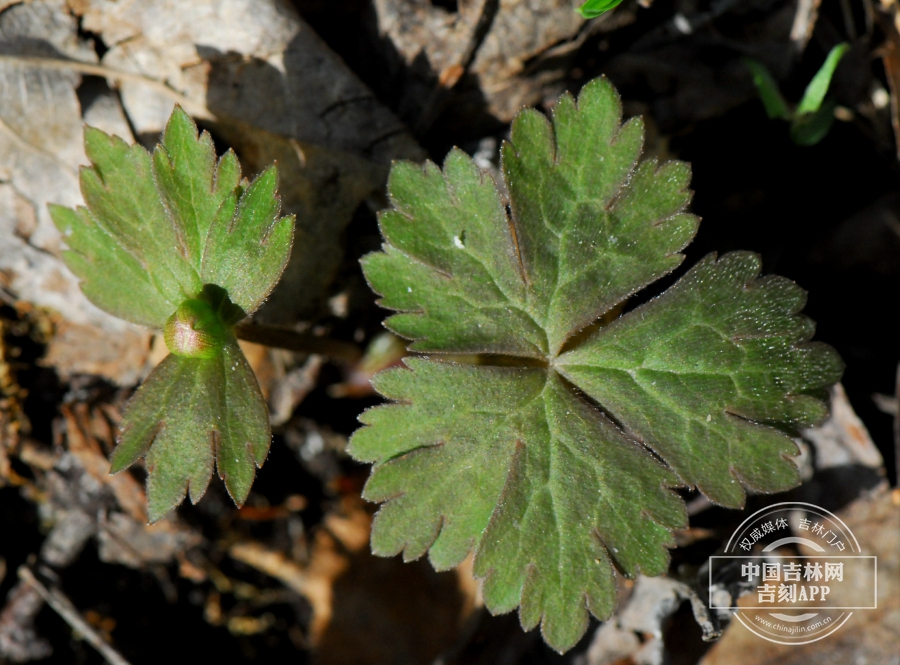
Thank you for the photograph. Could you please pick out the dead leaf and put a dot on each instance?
(323, 187)
(86, 449)
(499, 43)
(839, 462)
(122, 357)
(291, 389)
(12, 416)
(260, 359)
(365, 608)
(123, 537)
(843, 440)
(40, 150)
(346, 531)
(636, 632)
(888, 15)
(123, 540)
(313, 582)
(251, 61)
(351, 525)
(41, 125)
(387, 611)
(19, 641)
(384, 351)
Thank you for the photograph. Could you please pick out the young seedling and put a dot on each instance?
(178, 242)
(595, 8)
(555, 458)
(814, 115)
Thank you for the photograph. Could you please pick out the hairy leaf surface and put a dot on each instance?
(555, 462)
(157, 228)
(177, 240)
(189, 414)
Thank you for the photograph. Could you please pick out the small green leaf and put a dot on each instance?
(156, 229)
(189, 413)
(111, 276)
(815, 92)
(176, 241)
(248, 250)
(555, 462)
(776, 107)
(814, 115)
(594, 8)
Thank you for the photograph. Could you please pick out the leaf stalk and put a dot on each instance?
(291, 340)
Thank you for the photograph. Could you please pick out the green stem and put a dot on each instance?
(281, 338)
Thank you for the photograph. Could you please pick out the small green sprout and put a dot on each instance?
(594, 8)
(179, 242)
(814, 115)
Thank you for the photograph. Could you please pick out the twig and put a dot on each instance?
(64, 607)
(19, 642)
(804, 22)
(301, 342)
(194, 108)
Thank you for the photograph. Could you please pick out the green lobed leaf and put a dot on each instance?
(584, 214)
(157, 228)
(176, 240)
(99, 261)
(246, 254)
(556, 464)
(188, 414)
